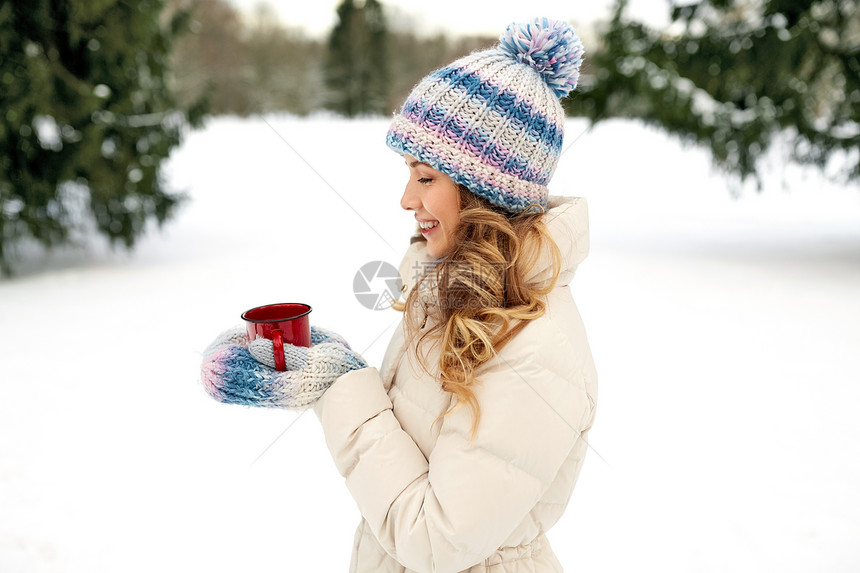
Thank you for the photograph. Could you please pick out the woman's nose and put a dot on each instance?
(410, 200)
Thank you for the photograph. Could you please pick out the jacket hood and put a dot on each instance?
(567, 221)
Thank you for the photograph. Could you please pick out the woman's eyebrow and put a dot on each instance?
(416, 162)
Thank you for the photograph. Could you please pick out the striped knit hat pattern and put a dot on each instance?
(492, 121)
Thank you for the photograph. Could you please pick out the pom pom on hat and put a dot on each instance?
(551, 47)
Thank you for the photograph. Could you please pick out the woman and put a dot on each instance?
(462, 450)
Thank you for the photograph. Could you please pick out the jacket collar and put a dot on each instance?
(567, 222)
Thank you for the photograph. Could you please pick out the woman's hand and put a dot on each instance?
(236, 372)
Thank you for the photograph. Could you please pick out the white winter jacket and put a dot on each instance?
(430, 500)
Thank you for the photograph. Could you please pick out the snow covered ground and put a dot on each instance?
(725, 333)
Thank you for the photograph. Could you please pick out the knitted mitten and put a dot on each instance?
(235, 372)
(233, 337)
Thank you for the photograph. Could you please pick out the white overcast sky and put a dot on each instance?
(486, 17)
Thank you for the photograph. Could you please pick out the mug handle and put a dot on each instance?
(278, 347)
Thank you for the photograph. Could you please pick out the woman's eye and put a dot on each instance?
(424, 180)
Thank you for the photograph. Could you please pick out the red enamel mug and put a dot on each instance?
(285, 322)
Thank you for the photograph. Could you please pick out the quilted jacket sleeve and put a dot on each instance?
(452, 511)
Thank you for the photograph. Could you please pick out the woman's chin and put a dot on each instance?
(435, 251)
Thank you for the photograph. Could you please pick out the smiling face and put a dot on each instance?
(435, 199)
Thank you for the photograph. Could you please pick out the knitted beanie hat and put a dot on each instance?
(492, 120)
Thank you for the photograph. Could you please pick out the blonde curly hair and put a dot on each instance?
(482, 293)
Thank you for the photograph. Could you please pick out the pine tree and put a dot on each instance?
(85, 119)
(356, 66)
(732, 74)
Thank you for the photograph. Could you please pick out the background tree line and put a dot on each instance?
(728, 75)
(95, 95)
(246, 65)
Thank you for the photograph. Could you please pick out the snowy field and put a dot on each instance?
(726, 336)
